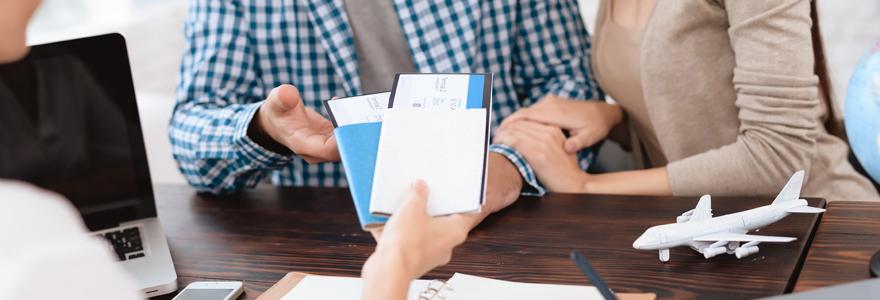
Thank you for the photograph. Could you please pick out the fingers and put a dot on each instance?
(285, 97)
(322, 147)
(288, 97)
(550, 110)
(540, 144)
(541, 129)
(417, 196)
(415, 201)
(537, 131)
(520, 114)
(581, 139)
(522, 141)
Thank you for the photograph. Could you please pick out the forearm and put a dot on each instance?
(639, 182)
(216, 155)
(502, 189)
(504, 178)
(385, 277)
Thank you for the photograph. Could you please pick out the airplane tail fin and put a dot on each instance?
(792, 189)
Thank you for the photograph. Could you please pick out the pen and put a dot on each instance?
(594, 277)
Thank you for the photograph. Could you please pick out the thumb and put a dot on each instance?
(579, 140)
(285, 97)
(416, 197)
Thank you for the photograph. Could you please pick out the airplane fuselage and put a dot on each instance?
(682, 234)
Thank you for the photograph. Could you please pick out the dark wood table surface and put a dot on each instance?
(260, 235)
(848, 236)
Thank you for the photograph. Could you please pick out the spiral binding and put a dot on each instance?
(430, 291)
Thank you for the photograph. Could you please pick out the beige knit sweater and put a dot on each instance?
(731, 93)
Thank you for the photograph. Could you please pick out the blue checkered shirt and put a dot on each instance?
(237, 51)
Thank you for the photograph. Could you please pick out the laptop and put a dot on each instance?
(69, 123)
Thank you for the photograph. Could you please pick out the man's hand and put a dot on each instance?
(587, 122)
(284, 118)
(541, 145)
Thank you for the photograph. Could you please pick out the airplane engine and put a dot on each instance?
(746, 251)
(714, 251)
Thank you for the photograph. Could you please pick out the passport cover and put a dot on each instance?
(358, 146)
(445, 148)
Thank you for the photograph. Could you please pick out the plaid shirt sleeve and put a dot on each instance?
(552, 57)
(217, 95)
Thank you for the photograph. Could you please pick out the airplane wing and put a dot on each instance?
(730, 236)
(703, 210)
(805, 210)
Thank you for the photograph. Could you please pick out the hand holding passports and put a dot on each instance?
(436, 128)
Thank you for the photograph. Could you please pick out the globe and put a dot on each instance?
(862, 112)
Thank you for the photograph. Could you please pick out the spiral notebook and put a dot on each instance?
(301, 286)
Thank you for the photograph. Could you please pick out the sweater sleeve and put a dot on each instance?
(777, 98)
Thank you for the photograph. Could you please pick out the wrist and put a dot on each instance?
(504, 183)
(257, 132)
(584, 184)
(575, 182)
(507, 171)
(397, 260)
(613, 113)
(385, 276)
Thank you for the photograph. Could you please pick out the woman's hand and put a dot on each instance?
(587, 122)
(541, 145)
(412, 243)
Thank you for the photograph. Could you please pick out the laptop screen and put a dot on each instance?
(69, 123)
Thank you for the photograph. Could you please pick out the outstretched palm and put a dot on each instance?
(303, 130)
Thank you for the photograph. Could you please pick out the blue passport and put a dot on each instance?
(358, 145)
(358, 123)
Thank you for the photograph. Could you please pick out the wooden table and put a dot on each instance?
(260, 235)
(848, 236)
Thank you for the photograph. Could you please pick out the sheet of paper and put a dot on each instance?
(358, 109)
(439, 91)
(464, 287)
(445, 148)
(339, 288)
(468, 287)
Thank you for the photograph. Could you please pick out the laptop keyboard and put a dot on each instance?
(126, 242)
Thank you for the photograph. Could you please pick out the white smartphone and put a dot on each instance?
(211, 290)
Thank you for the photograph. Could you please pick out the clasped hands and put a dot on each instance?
(536, 133)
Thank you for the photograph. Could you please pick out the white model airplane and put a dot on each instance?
(713, 236)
